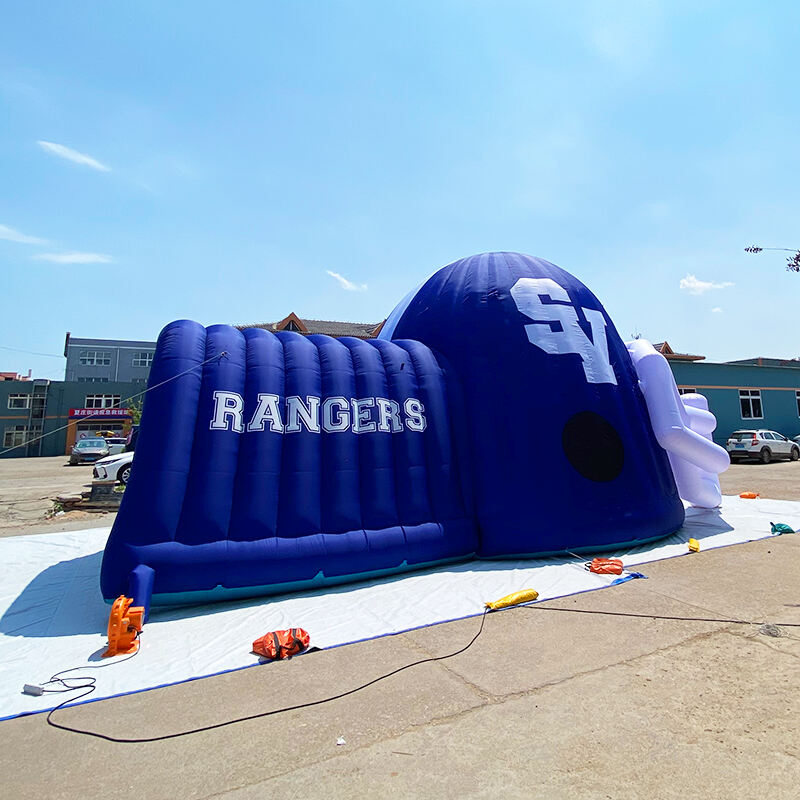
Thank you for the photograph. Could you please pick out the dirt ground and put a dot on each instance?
(29, 485)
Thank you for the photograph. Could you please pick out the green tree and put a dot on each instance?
(792, 261)
(135, 410)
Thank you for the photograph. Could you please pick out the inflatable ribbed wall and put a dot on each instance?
(278, 461)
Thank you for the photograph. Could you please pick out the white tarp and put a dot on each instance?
(52, 616)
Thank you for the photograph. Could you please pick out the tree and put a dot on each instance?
(135, 410)
(792, 261)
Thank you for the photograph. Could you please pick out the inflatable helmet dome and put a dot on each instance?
(562, 452)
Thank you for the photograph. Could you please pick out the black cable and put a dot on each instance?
(659, 616)
(260, 715)
(89, 681)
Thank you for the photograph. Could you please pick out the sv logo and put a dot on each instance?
(528, 293)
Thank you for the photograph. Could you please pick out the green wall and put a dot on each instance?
(720, 383)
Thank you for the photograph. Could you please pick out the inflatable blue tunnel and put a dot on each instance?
(497, 415)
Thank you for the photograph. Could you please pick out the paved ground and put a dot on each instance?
(780, 480)
(547, 703)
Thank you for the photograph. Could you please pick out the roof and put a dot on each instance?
(760, 361)
(671, 355)
(360, 330)
(75, 341)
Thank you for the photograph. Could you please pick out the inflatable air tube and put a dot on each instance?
(683, 426)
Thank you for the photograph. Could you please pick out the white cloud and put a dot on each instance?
(716, 310)
(74, 258)
(10, 235)
(72, 155)
(694, 285)
(346, 284)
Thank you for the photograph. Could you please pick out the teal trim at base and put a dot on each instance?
(319, 581)
(600, 548)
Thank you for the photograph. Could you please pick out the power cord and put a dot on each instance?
(90, 686)
(143, 740)
(87, 682)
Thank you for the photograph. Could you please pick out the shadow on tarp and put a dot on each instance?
(64, 599)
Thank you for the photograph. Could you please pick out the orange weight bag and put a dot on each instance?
(605, 566)
(281, 644)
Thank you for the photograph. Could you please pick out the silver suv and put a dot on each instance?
(763, 445)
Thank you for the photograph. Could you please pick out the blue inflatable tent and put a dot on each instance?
(497, 415)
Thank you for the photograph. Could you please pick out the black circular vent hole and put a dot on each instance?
(593, 446)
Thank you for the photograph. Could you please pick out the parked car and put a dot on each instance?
(87, 451)
(133, 435)
(761, 444)
(116, 467)
(116, 444)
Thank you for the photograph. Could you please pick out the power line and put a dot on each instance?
(29, 352)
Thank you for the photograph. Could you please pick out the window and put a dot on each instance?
(143, 359)
(92, 380)
(102, 401)
(15, 435)
(750, 404)
(24, 401)
(687, 390)
(95, 358)
(797, 398)
(292, 326)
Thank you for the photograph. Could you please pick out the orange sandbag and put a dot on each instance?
(749, 495)
(281, 644)
(606, 566)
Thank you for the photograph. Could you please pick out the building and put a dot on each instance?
(748, 393)
(360, 330)
(46, 418)
(107, 360)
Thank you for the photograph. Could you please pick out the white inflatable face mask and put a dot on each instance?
(683, 426)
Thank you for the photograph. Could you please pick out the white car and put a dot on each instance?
(116, 467)
(761, 444)
(116, 445)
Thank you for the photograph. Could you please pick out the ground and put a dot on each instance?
(547, 703)
(28, 487)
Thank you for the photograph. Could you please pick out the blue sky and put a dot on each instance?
(219, 161)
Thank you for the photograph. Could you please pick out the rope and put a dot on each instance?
(224, 353)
